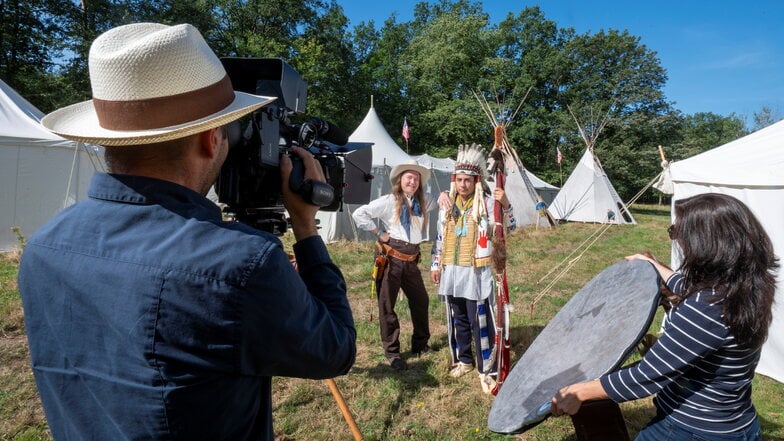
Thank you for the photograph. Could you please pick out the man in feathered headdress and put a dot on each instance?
(462, 263)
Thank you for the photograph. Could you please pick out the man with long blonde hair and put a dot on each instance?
(403, 216)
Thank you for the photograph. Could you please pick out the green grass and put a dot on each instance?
(424, 402)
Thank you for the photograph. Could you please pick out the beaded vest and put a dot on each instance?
(472, 247)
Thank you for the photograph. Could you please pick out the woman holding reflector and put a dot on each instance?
(702, 365)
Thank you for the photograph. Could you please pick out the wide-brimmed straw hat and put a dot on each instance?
(424, 174)
(152, 83)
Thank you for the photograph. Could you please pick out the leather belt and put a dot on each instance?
(383, 248)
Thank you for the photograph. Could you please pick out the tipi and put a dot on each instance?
(40, 172)
(519, 188)
(588, 195)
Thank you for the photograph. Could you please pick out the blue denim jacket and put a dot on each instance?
(150, 318)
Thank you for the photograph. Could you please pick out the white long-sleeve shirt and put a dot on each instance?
(385, 209)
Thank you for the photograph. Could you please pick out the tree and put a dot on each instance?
(199, 13)
(765, 117)
(611, 74)
(326, 60)
(528, 54)
(32, 39)
(704, 131)
(310, 35)
(440, 69)
(378, 61)
(426, 70)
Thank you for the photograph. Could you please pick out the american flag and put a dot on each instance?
(560, 156)
(406, 134)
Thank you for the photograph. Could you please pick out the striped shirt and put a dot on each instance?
(702, 378)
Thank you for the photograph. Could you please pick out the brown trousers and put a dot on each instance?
(406, 276)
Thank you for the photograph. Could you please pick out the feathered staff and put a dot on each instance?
(501, 347)
(501, 150)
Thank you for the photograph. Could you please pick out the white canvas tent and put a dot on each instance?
(521, 192)
(40, 173)
(433, 163)
(545, 190)
(588, 194)
(340, 225)
(751, 169)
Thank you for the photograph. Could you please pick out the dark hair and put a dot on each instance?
(124, 159)
(726, 248)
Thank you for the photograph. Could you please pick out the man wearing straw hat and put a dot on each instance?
(403, 216)
(148, 316)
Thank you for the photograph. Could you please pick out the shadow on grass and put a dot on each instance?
(408, 383)
(520, 338)
(654, 210)
(410, 380)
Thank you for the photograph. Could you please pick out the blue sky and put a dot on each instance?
(721, 56)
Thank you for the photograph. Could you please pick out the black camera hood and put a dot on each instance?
(268, 77)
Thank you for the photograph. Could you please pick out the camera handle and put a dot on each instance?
(313, 192)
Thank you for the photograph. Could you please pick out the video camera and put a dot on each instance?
(250, 183)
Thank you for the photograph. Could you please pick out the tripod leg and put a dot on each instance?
(344, 409)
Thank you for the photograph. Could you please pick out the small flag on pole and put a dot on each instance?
(405, 130)
(560, 156)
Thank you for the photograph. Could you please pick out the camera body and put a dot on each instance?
(250, 183)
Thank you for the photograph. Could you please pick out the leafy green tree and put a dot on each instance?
(325, 59)
(706, 130)
(425, 12)
(615, 80)
(310, 35)
(529, 63)
(32, 40)
(260, 28)
(440, 68)
(378, 74)
(199, 13)
(427, 70)
(634, 161)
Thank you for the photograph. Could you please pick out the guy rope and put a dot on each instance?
(563, 267)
